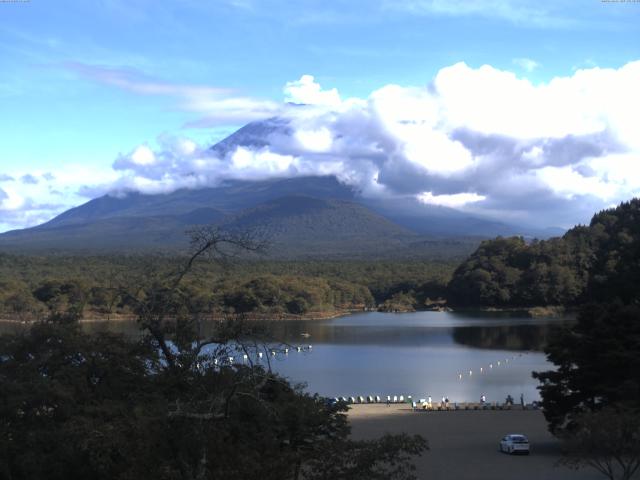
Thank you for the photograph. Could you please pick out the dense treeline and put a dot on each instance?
(35, 286)
(599, 262)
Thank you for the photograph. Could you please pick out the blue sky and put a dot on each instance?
(83, 84)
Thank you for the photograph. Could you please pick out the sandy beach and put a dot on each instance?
(464, 444)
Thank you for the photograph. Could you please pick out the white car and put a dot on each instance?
(515, 443)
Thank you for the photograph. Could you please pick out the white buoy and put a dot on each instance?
(491, 365)
(245, 357)
(498, 362)
(310, 347)
(215, 361)
(470, 372)
(299, 349)
(480, 369)
(286, 351)
(460, 376)
(259, 354)
(230, 359)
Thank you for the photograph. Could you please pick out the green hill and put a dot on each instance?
(599, 262)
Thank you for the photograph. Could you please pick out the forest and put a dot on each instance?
(598, 262)
(90, 286)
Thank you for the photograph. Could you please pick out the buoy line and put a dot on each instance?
(483, 369)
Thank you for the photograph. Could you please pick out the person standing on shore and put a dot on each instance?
(522, 400)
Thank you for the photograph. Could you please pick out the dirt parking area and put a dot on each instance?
(464, 444)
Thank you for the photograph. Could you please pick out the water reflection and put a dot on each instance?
(503, 331)
(422, 353)
(505, 337)
(461, 356)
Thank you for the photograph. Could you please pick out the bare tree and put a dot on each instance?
(212, 384)
(173, 329)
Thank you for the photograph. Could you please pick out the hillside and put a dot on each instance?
(598, 262)
(294, 226)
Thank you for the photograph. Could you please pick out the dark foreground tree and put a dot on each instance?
(607, 440)
(592, 399)
(174, 403)
(598, 364)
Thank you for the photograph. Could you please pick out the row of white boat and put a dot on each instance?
(231, 360)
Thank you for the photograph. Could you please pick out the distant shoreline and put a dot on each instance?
(207, 318)
(533, 312)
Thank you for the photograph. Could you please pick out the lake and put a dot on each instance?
(420, 354)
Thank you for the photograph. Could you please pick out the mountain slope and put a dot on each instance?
(294, 226)
(303, 215)
(306, 226)
(229, 197)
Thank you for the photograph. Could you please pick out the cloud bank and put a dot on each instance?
(482, 140)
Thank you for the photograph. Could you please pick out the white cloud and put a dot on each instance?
(478, 139)
(453, 201)
(306, 91)
(143, 155)
(26, 204)
(246, 163)
(319, 140)
(10, 200)
(567, 182)
(526, 64)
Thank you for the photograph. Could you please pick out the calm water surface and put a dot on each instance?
(420, 354)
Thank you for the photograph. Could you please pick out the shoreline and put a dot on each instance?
(532, 312)
(311, 316)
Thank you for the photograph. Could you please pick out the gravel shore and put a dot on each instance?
(464, 444)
